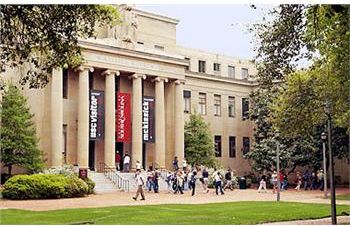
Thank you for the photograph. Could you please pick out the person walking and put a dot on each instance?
(306, 178)
(184, 165)
(299, 181)
(149, 183)
(156, 180)
(138, 166)
(193, 182)
(140, 182)
(320, 177)
(180, 182)
(228, 178)
(126, 163)
(262, 184)
(118, 159)
(205, 182)
(313, 179)
(175, 164)
(218, 183)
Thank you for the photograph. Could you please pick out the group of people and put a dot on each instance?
(314, 181)
(183, 179)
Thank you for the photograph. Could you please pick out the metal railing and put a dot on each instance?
(114, 176)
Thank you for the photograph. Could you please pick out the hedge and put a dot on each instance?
(46, 186)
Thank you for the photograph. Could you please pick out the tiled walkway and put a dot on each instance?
(122, 198)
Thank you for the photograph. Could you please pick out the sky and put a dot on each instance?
(216, 28)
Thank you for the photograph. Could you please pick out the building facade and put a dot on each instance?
(134, 93)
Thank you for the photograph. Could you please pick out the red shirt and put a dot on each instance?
(118, 158)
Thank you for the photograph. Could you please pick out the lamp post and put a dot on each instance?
(324, 138)
(331, 168)
(278, 171)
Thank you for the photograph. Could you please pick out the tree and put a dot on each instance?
(199, 145)
(294, 111)
(44, 37)
(18, 136)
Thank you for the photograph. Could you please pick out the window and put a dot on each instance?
(201, 66)
(159, 47)
(231, 71)
(65, 83)
(217, 105)
(232, 145)
(64, 143)
(216, 67)
(246, 145)
(245, 108)
(217, 146)
(231, 107)
(187, 100)
(202, 104)
(244, 73)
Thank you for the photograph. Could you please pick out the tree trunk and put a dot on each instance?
(10, 169)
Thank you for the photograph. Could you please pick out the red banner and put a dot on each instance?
(123, 131)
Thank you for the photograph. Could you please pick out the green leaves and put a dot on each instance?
(44, 37)
(199, 145)
(18, 136)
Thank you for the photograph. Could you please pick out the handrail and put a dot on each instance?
(112, 174)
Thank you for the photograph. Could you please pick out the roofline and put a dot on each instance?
(156, 16)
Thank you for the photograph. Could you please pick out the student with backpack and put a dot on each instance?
(193, 182)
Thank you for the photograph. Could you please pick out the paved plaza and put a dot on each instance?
(125, 198)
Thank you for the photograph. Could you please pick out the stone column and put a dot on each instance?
(179, 120)
(159, 157)
(56, 117)
(136, 143)
(109, 136)
(83, 117)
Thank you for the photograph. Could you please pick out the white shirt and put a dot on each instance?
(139, 180)
(217, 177)
(126, 159)
(184, 163)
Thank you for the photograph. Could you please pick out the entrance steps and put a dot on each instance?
(102, 183)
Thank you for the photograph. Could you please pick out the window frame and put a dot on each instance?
(233, 70)
(218, 146)
(245, 145)
(187, 101)
(216, 67)
(244, 76)
(231, 102)
(217, 105)
(245, 108)
(203, 63)
(232, 146)
(202, 110)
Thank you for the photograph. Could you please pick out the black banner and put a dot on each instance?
(96, 115)
(148, 119)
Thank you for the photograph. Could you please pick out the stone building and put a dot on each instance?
(135, 92)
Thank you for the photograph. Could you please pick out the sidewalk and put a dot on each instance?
(323, 221)
(124, 198)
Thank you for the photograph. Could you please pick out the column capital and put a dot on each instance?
(110, 71)
(136, 75)
(84, 67)
(179, 81)
(158, 79)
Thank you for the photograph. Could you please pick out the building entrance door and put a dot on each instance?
(119, 146)
(92, 155)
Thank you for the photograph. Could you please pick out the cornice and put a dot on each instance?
(132, 53)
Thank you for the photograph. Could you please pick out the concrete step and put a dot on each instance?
(102, 183)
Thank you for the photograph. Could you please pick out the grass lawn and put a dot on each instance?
(213, 213)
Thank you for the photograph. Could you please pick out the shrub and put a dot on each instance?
(44, 186)
(90, 184)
